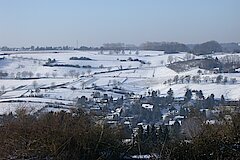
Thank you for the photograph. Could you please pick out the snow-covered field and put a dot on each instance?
(61, 84)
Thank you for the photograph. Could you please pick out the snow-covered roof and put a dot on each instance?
(118, 110)
(178, 117)
(165, 115)
(173, 121)
(127, 123)
(237, 70)
(147, 106)
(211, 121)
(147, 156)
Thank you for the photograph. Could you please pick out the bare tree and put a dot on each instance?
(175, 59)
(101, 52)
(101, 66)
(47, 74)
(72, 73)
(137, 52)
(38, 75)
(114, 82)
(30, 74)
(170, 59)
(77, 74)
(52, 85)
(83, 73)
(188, 56)
(65, 75)
(83, 85)
(89, 71)
(109, 69)
(12, 75)
(18, 75)
(24, 74)
(34, 84)
(3, 88)
(54, 74)
(111, 52)
(162, 62)
(109, 82)
(233, 80)
(120, 67)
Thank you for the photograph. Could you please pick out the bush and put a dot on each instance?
(58, 136)
(76, 135)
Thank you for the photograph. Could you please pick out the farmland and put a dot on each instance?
(61, 77)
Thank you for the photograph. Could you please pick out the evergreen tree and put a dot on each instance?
(154, 93)
(148, 132)
(153, 134)
(182, 111)
(210, 102)
(188, 95)
(176, 129)
(225, 80)
(199, 94)
(170, 96)
(160, 137)
(222, 101)
(166, 134)
(140, 134)
(199, 72)
(219, 79)
(199, 100)
(170, 92)
(175, 79)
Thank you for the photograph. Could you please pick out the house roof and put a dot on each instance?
(147, 106)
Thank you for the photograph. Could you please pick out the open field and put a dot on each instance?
(63, 81)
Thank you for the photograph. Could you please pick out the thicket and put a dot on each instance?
(76, 135)
(57, 136)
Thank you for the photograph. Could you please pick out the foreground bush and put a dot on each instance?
(57, 136)
(78, 136)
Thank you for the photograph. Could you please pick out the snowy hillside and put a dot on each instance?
(32, 74)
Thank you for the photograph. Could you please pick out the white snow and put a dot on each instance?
(139, 78)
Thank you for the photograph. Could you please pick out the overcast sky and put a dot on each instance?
(94, 22)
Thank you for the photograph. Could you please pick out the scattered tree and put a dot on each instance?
(54, 74)
(188, 95)
(34, 84)
(170, 59)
